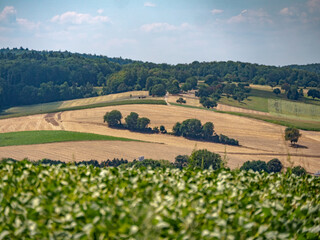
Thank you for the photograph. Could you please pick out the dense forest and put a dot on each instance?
(315, 67)
(29, 76)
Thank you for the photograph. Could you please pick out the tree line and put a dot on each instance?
(193, 129)
(22, 71)
(132, 122)
(199, 159)
(189, 128)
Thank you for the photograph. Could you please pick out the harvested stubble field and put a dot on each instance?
(258, 139)
(60, 105)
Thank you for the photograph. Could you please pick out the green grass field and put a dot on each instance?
(297, 110)
(39, 137)
(258, 100)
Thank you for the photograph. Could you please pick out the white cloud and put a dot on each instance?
(8, 14)
(162, 27)
(100, 11)
(216, 11)
(251, 16)
(149, 4)
(26, 24)
(286, 12)
(79, 18)
(9, 17)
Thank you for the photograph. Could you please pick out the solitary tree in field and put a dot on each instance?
(113, 118)
(292, 135)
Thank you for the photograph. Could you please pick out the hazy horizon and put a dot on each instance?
(263, 32)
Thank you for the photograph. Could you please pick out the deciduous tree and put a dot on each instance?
(132, 120)
(204, 159)
(292, 135)
(113, 118)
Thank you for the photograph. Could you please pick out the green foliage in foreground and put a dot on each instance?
(39, 137)
(69, 202)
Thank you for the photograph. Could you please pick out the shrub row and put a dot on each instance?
(192, 128)
(201, 159)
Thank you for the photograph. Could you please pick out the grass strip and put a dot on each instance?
(47, 136)
(96, 105)
(303, 125)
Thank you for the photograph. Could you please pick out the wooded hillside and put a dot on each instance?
(29, 77)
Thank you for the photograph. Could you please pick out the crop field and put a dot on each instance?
(302, 115)
(72, 104)
(258, 140)
(69, 202)
(296, 109)
(39, 137)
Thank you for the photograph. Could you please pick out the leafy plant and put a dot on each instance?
(84, 202)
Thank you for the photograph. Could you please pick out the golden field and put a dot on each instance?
(259, 140)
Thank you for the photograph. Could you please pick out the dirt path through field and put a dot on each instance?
(258, 139)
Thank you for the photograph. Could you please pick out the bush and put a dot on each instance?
(181, 161)
(274, 166)
(276, 91)
(155, 130)
(181, 100)
(154, 164)
(256, 166)
(299, 171)
(163, 129)
(94, 163)
(49, 162)
(226, 140)
(113, 163)
(204, 159)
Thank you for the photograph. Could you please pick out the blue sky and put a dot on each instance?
(273, 32)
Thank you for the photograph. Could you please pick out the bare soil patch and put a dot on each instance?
(259, 140)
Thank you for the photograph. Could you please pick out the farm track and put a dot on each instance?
(259, 140)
